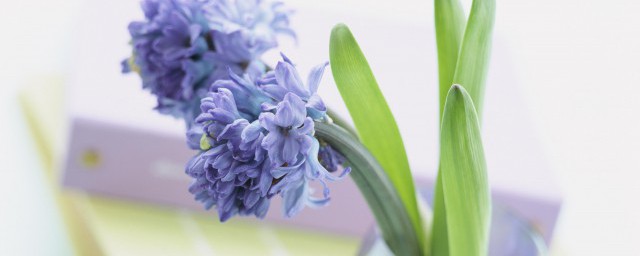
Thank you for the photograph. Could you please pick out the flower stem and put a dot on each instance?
(340, 121)
(376, 187)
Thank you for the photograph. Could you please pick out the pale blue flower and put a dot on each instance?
(330, 158)
(231, 172)
(245, 29)
(194, 135)
(250, 153)
(183, 46)
(294, 183)
(285, 79)
(243, 88)
(290, 131)
(294, 151)
(171, 53)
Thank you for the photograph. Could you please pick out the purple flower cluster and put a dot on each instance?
(254, 129)
(183, 46)
(257, 141)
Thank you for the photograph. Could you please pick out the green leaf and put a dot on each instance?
(450, 22)
(464, 176)
(374, 184)
(439, 234)
(470, 70)
(473, 60)
(372, 117)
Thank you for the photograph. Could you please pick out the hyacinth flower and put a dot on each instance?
(255, 145)
(285, 80)
(250, 27)
(183, 46)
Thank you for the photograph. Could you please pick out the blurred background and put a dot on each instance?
(575, 63)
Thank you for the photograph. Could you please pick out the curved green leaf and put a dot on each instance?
(464, 176)
(383, 199)
(372, 117)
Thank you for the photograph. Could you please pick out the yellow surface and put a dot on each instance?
(42, 104)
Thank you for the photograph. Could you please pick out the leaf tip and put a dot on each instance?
(340, 28)
(457, 89)
(456, 93)
(341, 33)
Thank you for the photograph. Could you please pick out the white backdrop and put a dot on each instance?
(575, 61)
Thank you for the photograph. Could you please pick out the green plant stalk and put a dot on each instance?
(464, 176)
(373, 119)
(450, 23)
(383, 199)
(340, 121)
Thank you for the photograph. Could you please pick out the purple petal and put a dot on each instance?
(252, 131)
(251, 198)
(285, 114)
(315, 107)
(291, 150)
(263, 207)
(291, 112)
(287, 77)
(294, 199)
(267, 121)
(306, 128)
(315, 76)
